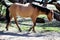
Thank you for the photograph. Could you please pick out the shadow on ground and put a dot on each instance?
(40, 34)
(21, 34)
(46, 24)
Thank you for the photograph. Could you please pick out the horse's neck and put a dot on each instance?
(25, 5)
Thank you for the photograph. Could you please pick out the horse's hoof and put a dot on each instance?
(20, 30)
(34, 31)
(6, 29)
(29, 30)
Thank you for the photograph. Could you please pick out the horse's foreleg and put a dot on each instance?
(17, 24)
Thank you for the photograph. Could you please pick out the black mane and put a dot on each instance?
(43, 9)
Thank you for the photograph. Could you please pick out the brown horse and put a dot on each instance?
(31, 11)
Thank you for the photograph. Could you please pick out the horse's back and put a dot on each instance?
(21, 10)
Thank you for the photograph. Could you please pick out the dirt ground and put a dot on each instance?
(24, 35)
(29, 36)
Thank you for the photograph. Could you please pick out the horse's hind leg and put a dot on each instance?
(17, 24)
(34, 24)
(33, 27)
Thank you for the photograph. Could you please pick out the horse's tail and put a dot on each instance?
(7, 14)
(7, 10)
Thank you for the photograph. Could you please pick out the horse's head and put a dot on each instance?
(50, 16)
(43, 10)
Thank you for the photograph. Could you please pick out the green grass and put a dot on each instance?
(55, 29)
(38, 28)
(42, 16)
(25, 28)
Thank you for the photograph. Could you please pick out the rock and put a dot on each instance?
(40, 20)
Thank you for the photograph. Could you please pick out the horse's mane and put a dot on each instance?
(41, 8)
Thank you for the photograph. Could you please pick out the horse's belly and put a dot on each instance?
(26, 13)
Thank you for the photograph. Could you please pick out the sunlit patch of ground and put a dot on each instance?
(44, 31)
(27, 23)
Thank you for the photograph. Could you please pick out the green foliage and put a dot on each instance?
(2, 9)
